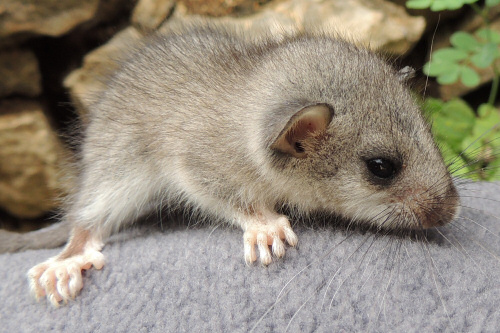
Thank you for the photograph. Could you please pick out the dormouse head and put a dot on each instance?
(356, 144)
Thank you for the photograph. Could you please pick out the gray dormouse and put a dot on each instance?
(205, 118)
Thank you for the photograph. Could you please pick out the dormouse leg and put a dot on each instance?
(265, 228)
(60, 277)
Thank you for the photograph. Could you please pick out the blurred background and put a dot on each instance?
(52, 53)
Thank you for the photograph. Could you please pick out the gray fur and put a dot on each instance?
(190, 117)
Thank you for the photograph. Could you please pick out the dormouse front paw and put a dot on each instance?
(266, 229)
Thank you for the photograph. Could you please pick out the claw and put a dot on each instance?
(262, 244)
(249, 247)
(278, 247)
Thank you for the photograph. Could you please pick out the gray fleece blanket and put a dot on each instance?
(185, 279)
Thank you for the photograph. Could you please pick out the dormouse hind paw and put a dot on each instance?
(61, 279)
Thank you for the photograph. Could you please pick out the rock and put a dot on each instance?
(43, 17)
(382, 25)
(97, 65)
(378, 24)
(20, 74)
(148, 15)
(30, 153)
(220, 7)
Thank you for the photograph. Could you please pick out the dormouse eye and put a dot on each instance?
(381, 168)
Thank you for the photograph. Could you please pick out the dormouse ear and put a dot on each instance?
(406, 73)
(308, 122)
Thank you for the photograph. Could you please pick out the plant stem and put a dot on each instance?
(494, 86)
(483, 12)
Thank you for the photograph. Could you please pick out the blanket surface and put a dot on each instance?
(185, 279)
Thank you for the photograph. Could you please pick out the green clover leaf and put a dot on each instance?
(454, 63)
(464, 41)
(445, 65)
(438, 5)
(489, 35)
(450, 76)
(485, 55)
(418, 4)
(450, 54)
(469, 77)
(451, 122)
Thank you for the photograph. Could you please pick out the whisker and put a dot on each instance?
(265, 313)
(354, 270)
(303, 304)
(470, 182)
(469, 256)
(373, 271)
(386, 289)
(212, 231)
(478, 170)
(482, 212)
(481, 226)
(433, 271)
(495, 256)
(366, 267)
(451, 243)
(328, 252)
(479, 138)
(340, 267)
(430, 53)
(373, 320)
